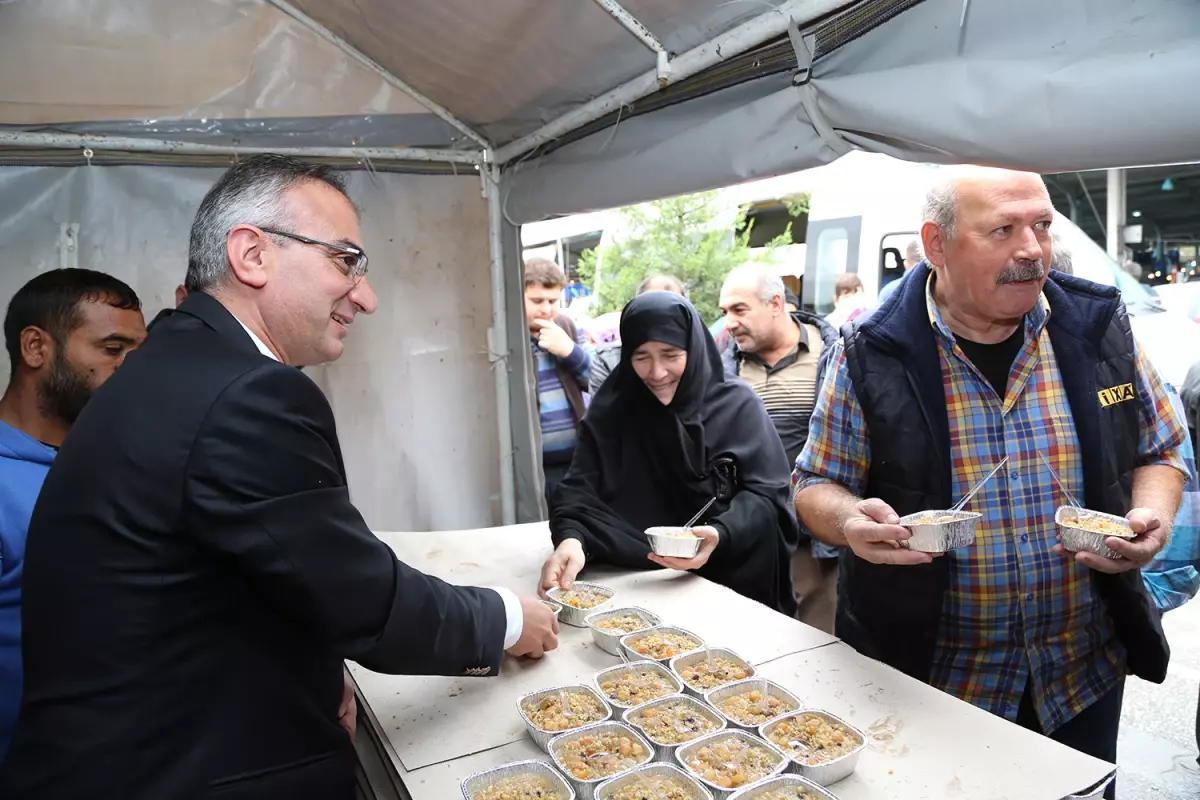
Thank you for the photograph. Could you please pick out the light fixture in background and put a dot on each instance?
(1136, 213)
(1168, 185)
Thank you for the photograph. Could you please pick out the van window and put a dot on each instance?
(891, 256)
(832, 249)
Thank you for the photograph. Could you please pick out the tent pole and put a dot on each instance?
(732, 43)
(634, 26)
(134, 144)
(378, 69)
(498, 347)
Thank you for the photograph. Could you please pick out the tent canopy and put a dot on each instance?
(562, 106)
(575, 99)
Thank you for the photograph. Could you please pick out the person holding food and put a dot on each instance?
(984, 354)
(667, 433)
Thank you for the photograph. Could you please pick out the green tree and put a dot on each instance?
(681, 236)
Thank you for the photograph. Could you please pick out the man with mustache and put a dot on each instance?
(67, 331)
(980, 355)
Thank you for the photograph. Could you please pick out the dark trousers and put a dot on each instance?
(1092, 731)
(554, 475)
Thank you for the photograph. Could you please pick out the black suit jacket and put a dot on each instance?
(196, 573)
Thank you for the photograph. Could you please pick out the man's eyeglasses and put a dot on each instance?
(351, 260)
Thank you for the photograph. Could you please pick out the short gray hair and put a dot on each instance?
(766, 280)
(249, 193)
(1061, 258)
(914, 251)
(941, 207)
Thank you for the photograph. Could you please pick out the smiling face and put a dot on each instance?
(660, 366)
(994, 266)
(309, 300)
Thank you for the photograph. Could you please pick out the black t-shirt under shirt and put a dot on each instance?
(994, 360)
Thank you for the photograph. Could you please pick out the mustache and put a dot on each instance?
(1021, 271)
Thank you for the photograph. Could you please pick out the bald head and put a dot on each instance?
(987, 236)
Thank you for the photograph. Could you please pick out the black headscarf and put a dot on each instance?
(640, 463)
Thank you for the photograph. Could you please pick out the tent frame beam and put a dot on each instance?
(643, 34)
(380, 70)
(746, 36)
(130, 144)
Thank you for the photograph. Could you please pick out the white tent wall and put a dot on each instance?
(413, 394)
(1067, 85)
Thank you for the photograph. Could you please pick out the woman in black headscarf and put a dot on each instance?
(665, 434)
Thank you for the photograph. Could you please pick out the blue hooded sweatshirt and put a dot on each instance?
(24, 462)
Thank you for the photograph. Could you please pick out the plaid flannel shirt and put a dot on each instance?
(1013, 609)
(1173, 577)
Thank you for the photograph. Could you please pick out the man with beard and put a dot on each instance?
(980, 356)
(66, 332)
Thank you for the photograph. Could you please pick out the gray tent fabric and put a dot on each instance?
(1068, 85)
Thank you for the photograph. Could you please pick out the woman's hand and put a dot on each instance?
(560, 569)
(710, 538)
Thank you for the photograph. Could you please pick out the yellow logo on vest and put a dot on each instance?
(1117, 394)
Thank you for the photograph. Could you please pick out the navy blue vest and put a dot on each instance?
(892, 613)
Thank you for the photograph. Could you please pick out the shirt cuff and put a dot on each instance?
(515, 625)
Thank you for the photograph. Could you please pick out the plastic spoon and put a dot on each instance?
(562, 703)
(1070, 498)
(700, 513)
(961, 503)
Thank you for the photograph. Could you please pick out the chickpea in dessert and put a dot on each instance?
(654, 788)
(700, 677)
(636, 686)
(753, 707)
(812, 739)
(581, 598)
(660, 645)
(590, 758)
(625, 623)
(732, 763)
(522, 787)
(547, 714)
(673, 723)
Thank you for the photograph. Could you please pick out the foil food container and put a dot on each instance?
(666, 752)
(542, 737)
(829, 772)
(576, 616)
(714, 698)
(1076, 539)
(696, 791)
(763, 789)
(680, 663)
(650, 666)
(610, 641)
(630, 654)
(473, 784)
(585, 789)
(940, 537)
(553, 606)
(673, 542)
(684, 754)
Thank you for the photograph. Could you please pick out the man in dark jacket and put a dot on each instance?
(195, 572)
(978, 357)
(783, 354)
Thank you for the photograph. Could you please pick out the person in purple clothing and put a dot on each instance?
(66, 332)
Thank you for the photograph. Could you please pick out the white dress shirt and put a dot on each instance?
(514, 617)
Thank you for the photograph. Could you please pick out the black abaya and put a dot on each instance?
(639, 463)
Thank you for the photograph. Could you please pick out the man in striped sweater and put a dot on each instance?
(783, 356)
(562, 367)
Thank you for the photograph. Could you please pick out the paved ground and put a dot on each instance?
(1156, 751)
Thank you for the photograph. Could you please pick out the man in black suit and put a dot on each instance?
(195, 571)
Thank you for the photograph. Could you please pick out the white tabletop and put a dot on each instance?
(923, 743)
